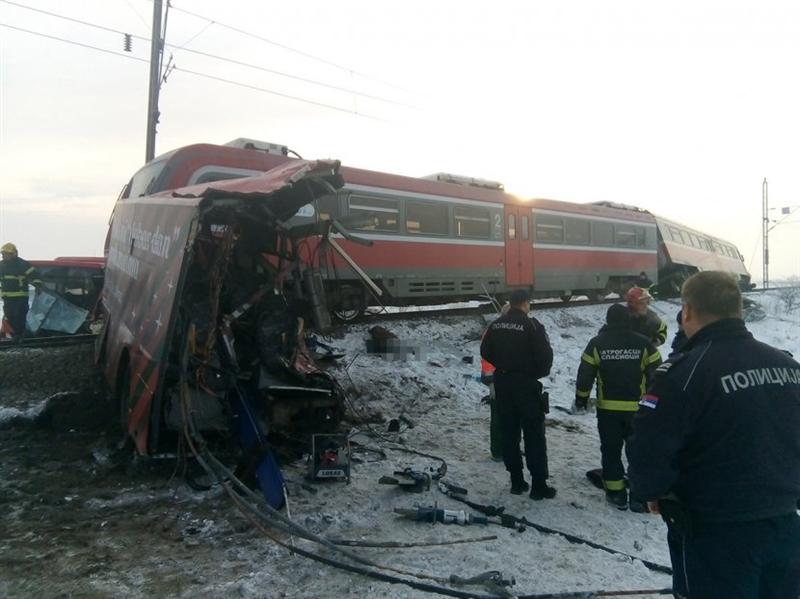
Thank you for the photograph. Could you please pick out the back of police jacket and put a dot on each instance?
(720, 427)
(517, 344)
(623, 363)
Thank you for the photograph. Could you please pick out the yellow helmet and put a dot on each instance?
(9, 247)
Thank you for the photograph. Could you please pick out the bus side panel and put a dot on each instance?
(147, 252)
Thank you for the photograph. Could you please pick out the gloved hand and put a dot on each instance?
(581, 404)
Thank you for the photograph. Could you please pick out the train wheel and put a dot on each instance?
(566, 298)
(346, 315)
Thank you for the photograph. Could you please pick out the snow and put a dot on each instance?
(439, 400)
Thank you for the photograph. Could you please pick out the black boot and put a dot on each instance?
(541, 491)
(518, 485)
(619, 499)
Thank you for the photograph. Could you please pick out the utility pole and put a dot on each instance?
(765, 231)
(156, 52)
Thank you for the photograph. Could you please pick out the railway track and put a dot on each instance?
(49, 341)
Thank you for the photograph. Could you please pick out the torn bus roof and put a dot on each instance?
(288, 187)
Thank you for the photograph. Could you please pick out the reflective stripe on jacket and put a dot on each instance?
(15, 275)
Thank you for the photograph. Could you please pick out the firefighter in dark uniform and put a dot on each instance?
(622, 364)
(716, 451)
(520, 350)
(643, 320)
(15, 275)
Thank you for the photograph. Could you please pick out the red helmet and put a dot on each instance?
(636, 294)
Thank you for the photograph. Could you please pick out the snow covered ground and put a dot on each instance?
(435, 399)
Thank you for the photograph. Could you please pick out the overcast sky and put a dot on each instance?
(680, 107)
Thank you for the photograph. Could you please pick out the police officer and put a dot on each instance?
(622, 364)
(487, 378)
(643, 320)
(15, 275)
(520, 350)
(716, 450)
(680, 336)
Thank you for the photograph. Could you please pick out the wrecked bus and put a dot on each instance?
(199, 336)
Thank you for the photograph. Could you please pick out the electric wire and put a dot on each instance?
(205, 55)
(301, 53)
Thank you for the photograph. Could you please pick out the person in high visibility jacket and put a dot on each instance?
(15, 276)
(621, 363)
(643, 320)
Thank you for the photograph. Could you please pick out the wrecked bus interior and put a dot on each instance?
(203, 340)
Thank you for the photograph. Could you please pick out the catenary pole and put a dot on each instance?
(156, 49)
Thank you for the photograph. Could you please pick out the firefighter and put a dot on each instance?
(15, 276)
(644, 282)
(716, 451)
(643, 320)
(519, 348)
(621, 363)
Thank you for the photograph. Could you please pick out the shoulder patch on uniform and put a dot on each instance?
(649, 400)
(665, 366)
(671, 361)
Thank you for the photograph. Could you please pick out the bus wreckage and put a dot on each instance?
(206, 306)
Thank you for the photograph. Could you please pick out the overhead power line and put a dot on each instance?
(74, 43)
(212, 56)
(290, 49)
(196, 73)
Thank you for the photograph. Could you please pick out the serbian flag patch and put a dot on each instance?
(649, 401)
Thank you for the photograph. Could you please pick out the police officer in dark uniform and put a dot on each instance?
(520, 350)
(680, 335)
(622, 363)
(716, 450)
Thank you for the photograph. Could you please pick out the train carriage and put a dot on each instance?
(683, 251)
(445, 238)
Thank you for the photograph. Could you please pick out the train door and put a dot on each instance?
(519, 246)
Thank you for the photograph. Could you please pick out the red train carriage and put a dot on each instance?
(590, 250)
(436, 242)
(436, 239)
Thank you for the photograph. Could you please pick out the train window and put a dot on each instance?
(603, 234)
(471, 222)
(549, 229)
(578, 231)
(675, 234)
(641, 237)
(526, 233)
(428, 219)
(512, 226)
(383, 211)
(626, 236)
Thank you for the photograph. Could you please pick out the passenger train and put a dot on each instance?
(447, 238)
